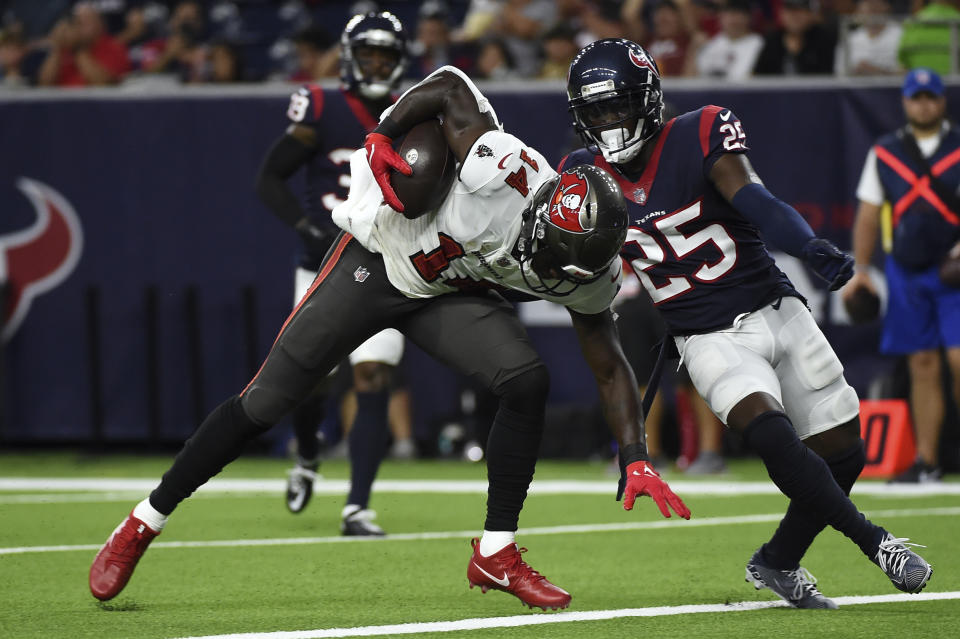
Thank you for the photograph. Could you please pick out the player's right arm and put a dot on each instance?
(600, 344)
(293, 150)
(866, 225)
(447, 94)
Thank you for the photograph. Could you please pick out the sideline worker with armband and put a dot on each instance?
(917, 170)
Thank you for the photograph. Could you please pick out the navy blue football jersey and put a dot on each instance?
(702, 263)
(341, 121)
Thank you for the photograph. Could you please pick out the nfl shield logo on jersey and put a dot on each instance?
(361, 274)
(640, 196)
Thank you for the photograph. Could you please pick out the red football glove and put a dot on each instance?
(642, 479)
(381, 157)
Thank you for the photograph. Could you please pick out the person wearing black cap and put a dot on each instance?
(802, 46)
(917, 170)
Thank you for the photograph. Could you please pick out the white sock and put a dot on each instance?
(150, 516)
(494, 541)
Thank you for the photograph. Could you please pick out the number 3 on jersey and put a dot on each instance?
(681, 245)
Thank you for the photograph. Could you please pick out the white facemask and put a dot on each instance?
(615, 149)
(374, 90)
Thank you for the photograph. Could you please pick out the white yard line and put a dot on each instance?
(482, 623)
(718, 486)
(463, 534)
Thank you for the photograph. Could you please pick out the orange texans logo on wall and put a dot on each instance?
(40, 257)
(566, 206)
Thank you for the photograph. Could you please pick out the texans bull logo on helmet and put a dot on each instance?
(567, 208)
(39, 258)
(642, 61)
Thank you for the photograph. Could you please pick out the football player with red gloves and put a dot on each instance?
(513, 225)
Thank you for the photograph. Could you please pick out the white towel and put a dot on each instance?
(358, 213)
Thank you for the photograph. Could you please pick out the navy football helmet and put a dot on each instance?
(377, 31)
(572, 230)
(613, 92)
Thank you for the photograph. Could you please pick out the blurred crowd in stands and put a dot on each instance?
(106, 42)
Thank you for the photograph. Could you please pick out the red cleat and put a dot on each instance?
(507, 571)
(115, 562)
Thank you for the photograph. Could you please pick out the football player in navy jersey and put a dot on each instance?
(325, 128)
(697, 211)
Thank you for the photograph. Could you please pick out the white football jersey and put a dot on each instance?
(470, 239)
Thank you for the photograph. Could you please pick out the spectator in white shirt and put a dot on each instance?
(731, 53)
(871, 48)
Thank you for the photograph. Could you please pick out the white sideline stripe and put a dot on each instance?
(483, 623)
(464, 534)
(459, 486)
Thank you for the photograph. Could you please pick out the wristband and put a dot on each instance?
(633, 453)
(389, 127)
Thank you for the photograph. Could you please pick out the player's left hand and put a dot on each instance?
(381, 157)
(642, 479)
(829, 262)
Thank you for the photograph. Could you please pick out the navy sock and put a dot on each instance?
(368, 444)
(217, 442)
(799, 527)
(806, 479)
(306, 420)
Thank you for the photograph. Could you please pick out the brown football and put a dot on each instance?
(950, 268)
(863, 306)
(425, 149)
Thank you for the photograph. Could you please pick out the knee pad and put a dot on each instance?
(526, 392)
(771, 433)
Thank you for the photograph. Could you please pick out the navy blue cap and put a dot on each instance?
(922, 79)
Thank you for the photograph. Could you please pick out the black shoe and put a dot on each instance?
(797, 587)
(358, 522)
(907, 570)
(920, 473)
(300, 487)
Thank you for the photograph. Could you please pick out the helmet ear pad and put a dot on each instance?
(595, 251)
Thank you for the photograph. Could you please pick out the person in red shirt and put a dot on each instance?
(82, 53)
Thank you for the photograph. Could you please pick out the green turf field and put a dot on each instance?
(279, 573)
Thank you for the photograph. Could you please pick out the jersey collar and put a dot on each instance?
(639, 192)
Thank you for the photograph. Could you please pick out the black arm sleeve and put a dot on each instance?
(284, 158)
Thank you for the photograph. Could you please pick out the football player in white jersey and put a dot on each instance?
(509, 224)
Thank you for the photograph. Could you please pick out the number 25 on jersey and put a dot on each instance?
(681, 245)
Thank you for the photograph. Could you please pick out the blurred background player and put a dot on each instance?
(325, 129)
(697, 209)
(917, 170)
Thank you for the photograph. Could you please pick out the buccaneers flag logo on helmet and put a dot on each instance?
(567, 208)
(40, 257)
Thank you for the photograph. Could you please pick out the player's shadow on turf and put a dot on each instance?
(123, 606)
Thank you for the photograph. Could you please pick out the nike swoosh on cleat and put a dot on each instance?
(725, 116)
(503, 582)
